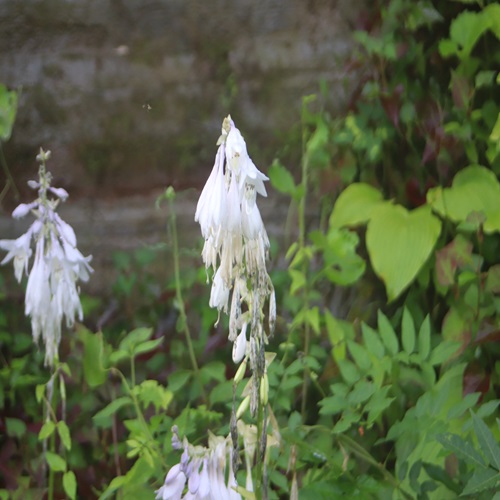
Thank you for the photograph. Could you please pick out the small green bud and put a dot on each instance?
(240, 372)
(264, 390)
(243, 407)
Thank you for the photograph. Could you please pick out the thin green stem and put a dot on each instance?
(302, 239)
(178, 295)
(8, 175)
(51, 472)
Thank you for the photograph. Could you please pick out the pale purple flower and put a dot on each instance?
(201, 473)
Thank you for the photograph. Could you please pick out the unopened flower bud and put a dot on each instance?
(264, 390)
(240, 373)
(243, 407)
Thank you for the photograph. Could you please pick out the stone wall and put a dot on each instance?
(129, 94)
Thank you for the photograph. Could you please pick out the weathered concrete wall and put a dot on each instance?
(129, 95)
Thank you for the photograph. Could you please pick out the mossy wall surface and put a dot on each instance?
(129, 95)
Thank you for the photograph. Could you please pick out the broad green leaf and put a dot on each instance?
(475, 189)
(69, 484)
(408, 332)
(355, 205)
(387, 334)
(466, 29)
(63, 431)
(487, 441)
(399, 243)
(482, 479)
(424, 338)
(56, 463)
(93, 368)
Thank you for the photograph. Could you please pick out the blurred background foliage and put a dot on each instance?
(387, 376)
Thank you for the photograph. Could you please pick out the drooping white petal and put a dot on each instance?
(240, 345)
(219, 294)
(65, 230)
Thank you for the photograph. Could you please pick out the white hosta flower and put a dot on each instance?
(236, 242)
(201, 473)
(240, 345)
(52, 293)
(19, 250)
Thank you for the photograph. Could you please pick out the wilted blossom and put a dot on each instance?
(236, 248)
(203, 472)
(52, 294)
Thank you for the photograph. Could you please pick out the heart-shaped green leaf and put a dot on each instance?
(399, 243)
(355, 205)
(475, 190)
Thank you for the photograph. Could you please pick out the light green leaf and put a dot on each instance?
(372, 341)
(134, 338)
(355, 205)
(148, 346)
(408, 332)
(336, 334)
(298, 280)
(63, 431)
(482, 479)
(399, 243)
(487, 441)
(56, 463)
(424, 338)
(47, 429)
(8, 109)
(69, 484)
(463, 449)
(281, 178)
(443, 352)
(475, 189)
(387, 334)
(93, 368)
(103, 417)
(349, 371)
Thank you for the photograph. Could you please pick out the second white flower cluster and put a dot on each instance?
(236, 245)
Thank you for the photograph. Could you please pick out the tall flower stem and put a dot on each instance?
(172, 228)
(302, 238)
